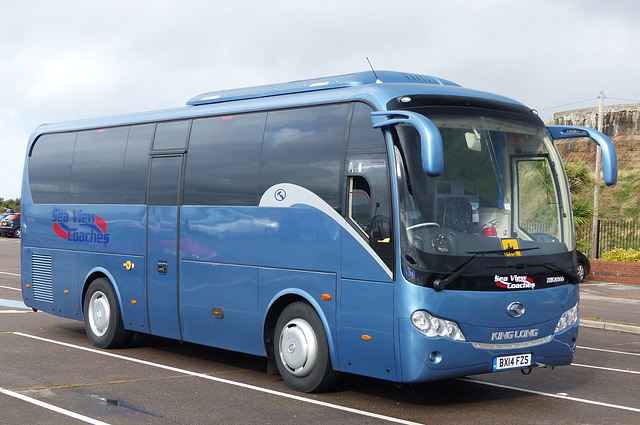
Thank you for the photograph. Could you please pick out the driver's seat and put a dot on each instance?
(455, 213)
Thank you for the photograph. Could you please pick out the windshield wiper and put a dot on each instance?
(440, 284)
(573, 277)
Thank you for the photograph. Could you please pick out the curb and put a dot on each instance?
(609, 326)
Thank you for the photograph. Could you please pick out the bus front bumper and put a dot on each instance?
(427, 359)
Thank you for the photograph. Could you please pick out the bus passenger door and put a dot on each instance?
(162, 246)
(366, 291)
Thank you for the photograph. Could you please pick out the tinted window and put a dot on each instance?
(369, 188)
(171, 135)
(50, 168)
(105, 166)
(369, 201)
(136, 164)
(362, 135)
(223, 160)
(305, 147)
(359, 202)
(165, 177)
(98, 161)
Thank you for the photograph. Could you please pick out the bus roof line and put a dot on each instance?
(316, 84)
(395, 84)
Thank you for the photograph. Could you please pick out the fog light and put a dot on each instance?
(435, 357)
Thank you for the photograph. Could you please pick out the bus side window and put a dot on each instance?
(305, 147)
(359, 204)
(369, 202)
(368, 183)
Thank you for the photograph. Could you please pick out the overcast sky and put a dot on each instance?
(65, 60)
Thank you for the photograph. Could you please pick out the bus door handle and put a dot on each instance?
(162, 267)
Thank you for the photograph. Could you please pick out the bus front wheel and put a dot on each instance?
(302, 351)
(102, 318)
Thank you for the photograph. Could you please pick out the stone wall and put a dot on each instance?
(621, 125)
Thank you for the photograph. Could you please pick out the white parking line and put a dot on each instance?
(560, 396)
(13, 304)
(15, 311)
(52, 407)
(8, 287)
(606, 368)
(609, 351)
(11, 274)
(325, 404)
(224, 381)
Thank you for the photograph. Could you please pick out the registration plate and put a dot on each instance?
(512, 362)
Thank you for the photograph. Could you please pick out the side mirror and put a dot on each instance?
(430, 138)
(609, 155)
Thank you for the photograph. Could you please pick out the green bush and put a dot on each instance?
(619, 254)
(12, 204)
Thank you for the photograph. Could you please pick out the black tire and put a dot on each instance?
(137, 339)
(102, 317)
(301, 350)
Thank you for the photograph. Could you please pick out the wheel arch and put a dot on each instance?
(275, 308)
(94, 274)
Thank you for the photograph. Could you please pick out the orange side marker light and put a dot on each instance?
(326, 297)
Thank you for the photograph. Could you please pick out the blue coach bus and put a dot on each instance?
(395, 226)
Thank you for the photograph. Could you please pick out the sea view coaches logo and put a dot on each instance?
(80, 226)
(514, 281)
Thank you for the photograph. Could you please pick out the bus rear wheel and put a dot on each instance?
(302, 351)
(102, 318)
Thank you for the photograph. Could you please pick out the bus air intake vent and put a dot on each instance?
(41, 278)
(421, 78)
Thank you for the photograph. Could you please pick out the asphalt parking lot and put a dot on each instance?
(50, 373)
(610, 305)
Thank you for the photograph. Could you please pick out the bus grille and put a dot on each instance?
(41, 278)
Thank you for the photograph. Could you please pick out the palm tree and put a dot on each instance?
(580, 182)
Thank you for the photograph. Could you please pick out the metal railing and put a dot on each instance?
(610, 234)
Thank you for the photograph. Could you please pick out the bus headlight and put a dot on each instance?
(569, 318)
(435, 327)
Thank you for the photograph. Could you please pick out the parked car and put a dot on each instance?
(10, 225)
(584, 266)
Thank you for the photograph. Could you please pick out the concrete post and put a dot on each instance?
(596, 188)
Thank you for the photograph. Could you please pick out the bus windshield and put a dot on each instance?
(502, 196)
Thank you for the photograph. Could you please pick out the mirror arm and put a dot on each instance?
(430, 138)
(609, 156)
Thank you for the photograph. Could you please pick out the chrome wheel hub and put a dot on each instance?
(298, 347)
